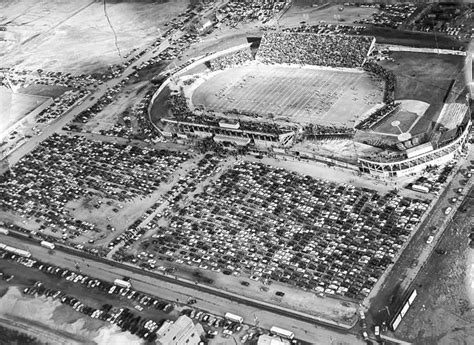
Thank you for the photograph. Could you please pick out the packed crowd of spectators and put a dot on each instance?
(319, 132)
(390, 15)
(314, 49)
(237, 11)
(266, 223)
(335, 29)
(230, 60)
(388, 77)
(179, 108)
(388, 97)
(377, 116)
(67, 168)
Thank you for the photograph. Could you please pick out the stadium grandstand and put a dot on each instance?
(241, 126)
(315, 49)
(404, 138)
(443, 147)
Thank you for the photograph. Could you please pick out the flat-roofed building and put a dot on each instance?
(269, 340)
(181, 332)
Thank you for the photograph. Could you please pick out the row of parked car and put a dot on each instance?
(213, 322)
(122, 317)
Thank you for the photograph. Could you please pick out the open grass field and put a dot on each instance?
(281, 93)
(423, 76)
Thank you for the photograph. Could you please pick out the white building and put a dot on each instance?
(181, 332)
(269, 340)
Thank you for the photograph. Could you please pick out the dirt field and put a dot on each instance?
(15, 106)
(303, 95)
(443, 313)
(304, 11)
(74, 36)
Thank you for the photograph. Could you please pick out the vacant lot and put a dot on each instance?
(15, 106)
(75, 36)
(299, 94)
(443, 313)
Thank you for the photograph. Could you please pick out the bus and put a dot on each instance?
(123, 283)
(418, 188)
(282, 333)
(47, 244)
(234, 318)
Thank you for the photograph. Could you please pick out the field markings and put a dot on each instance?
(295, 94)
(306, 92)
(344, 83)
(320, 87)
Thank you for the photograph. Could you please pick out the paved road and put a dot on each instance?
(417, 251)
(166, 287)
(58, 123)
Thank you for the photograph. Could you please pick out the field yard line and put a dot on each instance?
(218, 104)
(319, 85)
(281, 90)
(344, 86)
(257, 91)
(319, 88)
(304, 98)
(271, 92)
(286, 100)
(262, 95)
(241, 95)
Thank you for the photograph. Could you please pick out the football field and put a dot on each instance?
(297, 94)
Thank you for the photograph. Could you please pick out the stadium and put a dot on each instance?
(291, 88)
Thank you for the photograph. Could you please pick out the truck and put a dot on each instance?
(418, 188)
(4, 231)
(282, 332)
(123, 283)
(47, 244)
(234, 318)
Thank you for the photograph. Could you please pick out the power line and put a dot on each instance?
(113, 30)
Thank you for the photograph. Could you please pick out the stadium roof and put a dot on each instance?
(419, 150)
(236, 140)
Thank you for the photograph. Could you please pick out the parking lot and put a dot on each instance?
(139, 313)
(270, 224)
(56, 188)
